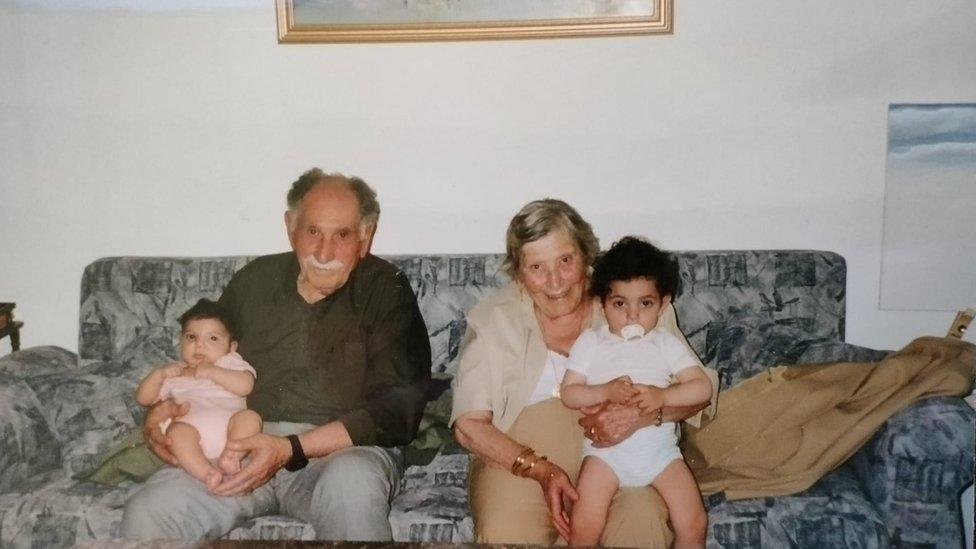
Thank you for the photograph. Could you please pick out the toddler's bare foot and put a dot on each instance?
(230, 461)
(213, 479)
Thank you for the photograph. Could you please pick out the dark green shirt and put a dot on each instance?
(360, 356)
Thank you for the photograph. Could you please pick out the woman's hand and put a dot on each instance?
(559, 493)
(153, 434)
(608, 424)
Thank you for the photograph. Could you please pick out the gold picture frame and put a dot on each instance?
(387, 21)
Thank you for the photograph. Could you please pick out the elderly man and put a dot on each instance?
(342, 360)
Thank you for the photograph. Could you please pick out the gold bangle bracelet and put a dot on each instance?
(525, 471)
(660, 417)
(517, 464)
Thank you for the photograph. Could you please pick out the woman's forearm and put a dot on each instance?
(477, 434)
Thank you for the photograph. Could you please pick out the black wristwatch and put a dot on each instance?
(298, 459)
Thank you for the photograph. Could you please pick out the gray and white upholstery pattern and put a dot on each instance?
(742, 311)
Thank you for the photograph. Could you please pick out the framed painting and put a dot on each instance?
(412, 20)
(927, 248)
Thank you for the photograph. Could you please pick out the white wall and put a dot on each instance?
(756, 125)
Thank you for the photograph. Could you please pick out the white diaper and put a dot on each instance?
(638, 460)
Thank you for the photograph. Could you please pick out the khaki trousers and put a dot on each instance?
(511, 509)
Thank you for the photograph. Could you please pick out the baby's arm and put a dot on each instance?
(692, 388)
(239, 382)
(149, 388)
(576, 394)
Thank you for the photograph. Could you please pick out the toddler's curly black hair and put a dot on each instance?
(207, 309)
(633, 257)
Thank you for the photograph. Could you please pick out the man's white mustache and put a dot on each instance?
(333, 265)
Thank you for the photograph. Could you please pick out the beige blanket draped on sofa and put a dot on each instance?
(780, 431)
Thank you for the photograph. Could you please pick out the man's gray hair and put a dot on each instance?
(539, 218)
(369, 208)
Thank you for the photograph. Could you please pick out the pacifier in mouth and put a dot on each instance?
(632, 331)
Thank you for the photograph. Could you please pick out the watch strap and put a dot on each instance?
(298, 460)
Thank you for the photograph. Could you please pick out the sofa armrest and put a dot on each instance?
(915, 468)
(37, 361)
(28, 446)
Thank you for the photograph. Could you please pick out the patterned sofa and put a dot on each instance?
(742, 311)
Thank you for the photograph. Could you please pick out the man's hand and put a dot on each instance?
(268, 455)
(153, 434)
(559, 493)
(620, 390)
(648, 398)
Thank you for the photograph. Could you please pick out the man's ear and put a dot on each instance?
(367, 240)
(665, 301)
(288, 225)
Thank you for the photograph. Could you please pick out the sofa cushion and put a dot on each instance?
(834, 512)
(61, 512)
(432, 506)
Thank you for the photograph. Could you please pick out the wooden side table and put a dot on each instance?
(9, 326)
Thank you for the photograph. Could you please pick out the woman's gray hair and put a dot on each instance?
(539, 218)
(369, 208)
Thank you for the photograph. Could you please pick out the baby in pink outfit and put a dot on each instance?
(214, 380)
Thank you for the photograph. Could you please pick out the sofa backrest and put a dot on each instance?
(741, 310)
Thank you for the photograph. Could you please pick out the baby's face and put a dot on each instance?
(205, 340)
(634, 301)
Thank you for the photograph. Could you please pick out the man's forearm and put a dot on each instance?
(325, 439)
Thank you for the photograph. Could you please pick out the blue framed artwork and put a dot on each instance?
(929, 241)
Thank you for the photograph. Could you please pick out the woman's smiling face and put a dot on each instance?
(552, 270)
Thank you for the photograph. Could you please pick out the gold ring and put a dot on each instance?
(593, 430)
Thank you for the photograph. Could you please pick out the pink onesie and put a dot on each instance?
(211, 406)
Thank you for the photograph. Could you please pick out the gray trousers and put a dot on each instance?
(344, 496)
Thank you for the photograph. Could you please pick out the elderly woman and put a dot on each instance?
(526, 444)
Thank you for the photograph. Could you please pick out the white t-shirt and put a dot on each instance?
(551, 378)
(652, 359)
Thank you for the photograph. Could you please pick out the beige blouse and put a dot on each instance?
(503, 355)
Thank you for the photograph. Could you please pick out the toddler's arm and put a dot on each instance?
(238, 382)
(149, 388)
(576, 394)
(692, 388)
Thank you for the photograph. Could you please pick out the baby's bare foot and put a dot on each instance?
(230, 461)
(213, 479)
